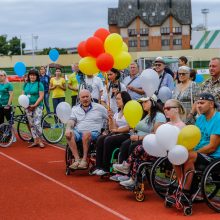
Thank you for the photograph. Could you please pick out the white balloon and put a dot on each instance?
(23, 101)
(164, 94)
(178, 155)
(152, 147)
(149, 81)
(63, 111)
(167, 136)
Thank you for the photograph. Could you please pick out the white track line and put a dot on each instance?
(68, 188)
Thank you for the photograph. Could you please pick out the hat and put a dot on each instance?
(159, 60)
(144, 99)
(208, 97)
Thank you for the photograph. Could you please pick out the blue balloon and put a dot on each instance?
(20, 69)
(54, 54)
(199, 78)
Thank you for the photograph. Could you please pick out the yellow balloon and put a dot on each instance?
(87, 65)
(124, 47)
(133, 113)
(122, 60)
(189, 137)
(113, 44)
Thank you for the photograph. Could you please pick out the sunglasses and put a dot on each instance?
(169, 107)
(182, 74)
(158, 65)
(2, 75)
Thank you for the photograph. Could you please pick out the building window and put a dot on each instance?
(177, 30)
(132, 32)
(132, 43)
(165, 42)
(177, 42)
(144, 31)
(165, 30)
(144, 43)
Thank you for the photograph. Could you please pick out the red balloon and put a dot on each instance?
(82, 49)
(94, 46)
(105, 62)
(102, 34)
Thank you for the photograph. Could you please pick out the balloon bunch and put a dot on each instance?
(103, 51)
(170, 141)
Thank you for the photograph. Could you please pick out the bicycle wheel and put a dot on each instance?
(162, 176)
(6, 135)
(52, 128)
(211, 186)
(23, 129)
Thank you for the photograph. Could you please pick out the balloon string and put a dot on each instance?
(106, 86)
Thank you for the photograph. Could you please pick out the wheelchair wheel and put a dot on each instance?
(162, 176)
(23, 129)
(6, 135)
(211, 185)
(52, 128)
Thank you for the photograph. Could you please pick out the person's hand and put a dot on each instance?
(134, 137)
(7, 107)
(110, 114)
(114, 90)
(130, 88)
(114, 130)
(32, 107)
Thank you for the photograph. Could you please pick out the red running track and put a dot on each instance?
(34, 186)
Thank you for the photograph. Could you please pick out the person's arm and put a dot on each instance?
(63, 85)
(11, 93)
(52, 87)
(120, 130)
(69, 126)
(212, 146)
(137, 90)
(41, 97)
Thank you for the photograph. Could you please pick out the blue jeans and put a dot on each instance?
(78, 135)
(56, 101)
(46, 101)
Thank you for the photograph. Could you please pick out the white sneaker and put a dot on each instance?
(101, 173)
(128, 183)
(122, 168)
(123, 178)
(95, 171)
(14, 139)
(115, 177)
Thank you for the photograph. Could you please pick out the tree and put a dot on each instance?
(14, 46)
(47, 50)
(4, 47)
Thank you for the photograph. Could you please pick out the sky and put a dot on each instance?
(65, 23)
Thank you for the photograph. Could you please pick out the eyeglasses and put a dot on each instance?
(182, 74)
(157, 64)
(169, 107)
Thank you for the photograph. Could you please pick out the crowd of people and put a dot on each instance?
(97, 105)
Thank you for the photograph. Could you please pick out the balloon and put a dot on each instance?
(63, 111)
(87, 65)
(124, 47)
(54, 55)
(199, 78)
(152, 147)
(105, 62)
(94, 46)
(164, 94)
(133, 113)
(113, 44)
(122, 60)
(189, 136)
(82, 49)
(23, 101)
(178, 155)
(20, 69)
(167, 136)
(149, 81)
(102, 34)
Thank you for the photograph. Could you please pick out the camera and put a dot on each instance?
(115, 86)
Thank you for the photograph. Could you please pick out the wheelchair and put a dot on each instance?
(205, 187)
(158, 173)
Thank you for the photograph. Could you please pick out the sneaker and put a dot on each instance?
(101, 173)
(75, 164)
(123, 178)
(94, 172)
(14, 139)
(115, 177)
(122, 168)
(128, 183)
(83, 164)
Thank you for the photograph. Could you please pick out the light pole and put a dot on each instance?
(205, 12)
(34, 47)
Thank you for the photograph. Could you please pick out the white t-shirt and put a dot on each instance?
(120, 121)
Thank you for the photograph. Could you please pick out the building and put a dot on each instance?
(152, 25)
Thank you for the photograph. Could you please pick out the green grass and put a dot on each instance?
(18, 90)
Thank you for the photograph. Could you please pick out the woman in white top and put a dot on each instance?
(119, 132)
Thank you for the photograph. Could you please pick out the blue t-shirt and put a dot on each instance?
(208, 128)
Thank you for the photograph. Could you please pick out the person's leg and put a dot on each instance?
(30, 118)
(85, 141)
(133, 145)
(73, 100)
(124, 148)
(55, 103)
(46, 102)
(1, 115)
(99, 150)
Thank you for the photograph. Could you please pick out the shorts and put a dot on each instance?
(78, 135)
(203, 161)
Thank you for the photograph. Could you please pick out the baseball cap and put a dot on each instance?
(144, 99)
(159, 60)
(208, 97)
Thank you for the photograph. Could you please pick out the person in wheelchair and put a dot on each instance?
(85, 124)
(205, 152)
